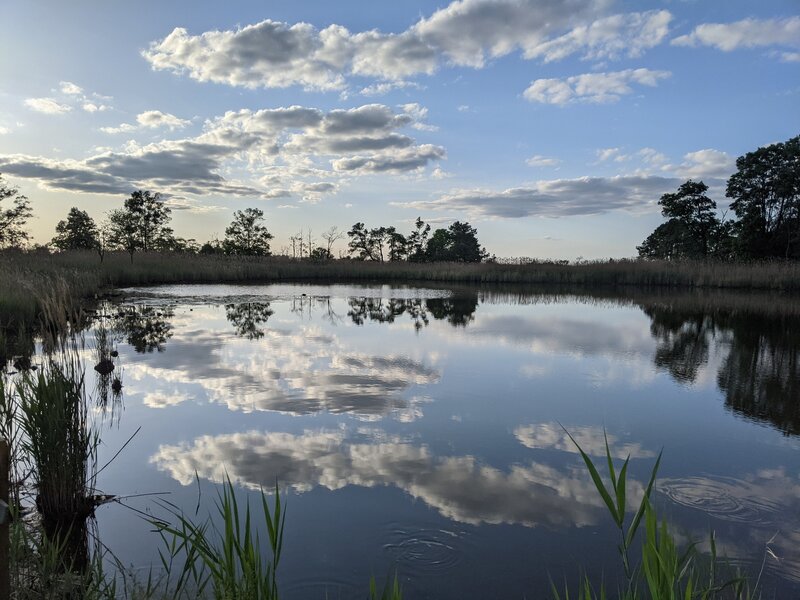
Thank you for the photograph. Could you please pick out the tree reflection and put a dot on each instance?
(760, 374)
(457, 310)
(145, 328)
(246, 318)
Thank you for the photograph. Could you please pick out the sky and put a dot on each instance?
(552, 126)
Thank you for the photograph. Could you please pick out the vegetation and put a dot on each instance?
(458, 243)
(765, 194)
(665, 571)
(13, 220)
(77, 232)
(246, 235)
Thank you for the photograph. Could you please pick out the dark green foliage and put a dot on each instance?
(458, 243)
(13, 220)
(123, 232)
(766, 197)
(693, 230)
(77, 232)
(246, 235)
(765, 193)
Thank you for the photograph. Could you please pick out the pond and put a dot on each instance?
(418, 431)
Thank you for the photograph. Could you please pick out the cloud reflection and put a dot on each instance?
(592, 439)
(302, 371)
(458, 487)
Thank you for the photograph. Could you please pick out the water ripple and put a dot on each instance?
(725, 498)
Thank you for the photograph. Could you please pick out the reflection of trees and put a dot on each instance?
(682, 341)
(246, 318)
(760, 375)
(146, 328)
(457, 310)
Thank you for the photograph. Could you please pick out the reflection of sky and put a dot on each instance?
(299, 371)
(459, 487)
(463, 425)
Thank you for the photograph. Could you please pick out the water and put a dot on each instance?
(418, 431)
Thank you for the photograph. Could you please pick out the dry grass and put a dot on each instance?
(27, 276)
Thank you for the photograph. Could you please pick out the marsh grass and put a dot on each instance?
(665, 571)
(57, 439)
(34, 275)
(222, 555)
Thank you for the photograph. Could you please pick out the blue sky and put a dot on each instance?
(551, 126)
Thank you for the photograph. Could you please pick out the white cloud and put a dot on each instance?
(789, 57)
(609, 38)
(155, 118)
(592, 87)
(91, 107)
(151, 119)
(4, 130)
(747, 33)
(71, 89)
(379, 89)
(293, 151)
(47, 106)
(542, 161)
(468, 33)
(556, 198)
(708, 163)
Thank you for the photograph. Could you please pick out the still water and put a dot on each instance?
(418, 430)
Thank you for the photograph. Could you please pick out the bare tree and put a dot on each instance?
(331, 237)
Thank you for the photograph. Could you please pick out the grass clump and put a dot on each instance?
(665, 572)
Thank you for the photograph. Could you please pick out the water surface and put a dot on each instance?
(420, 430)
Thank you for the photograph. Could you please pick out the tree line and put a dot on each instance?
(142, 225)
(764, 193)
(765, 198)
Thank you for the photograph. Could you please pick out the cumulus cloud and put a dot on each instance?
(556, 198)
(747, 33)
(293, 151)
(608, 38)
(469, 33)
(47, 106)
(150, 119)
(458, 487)
(708, 163)
(92, 107)
(542, 161)
(592, 87)
(69, 88)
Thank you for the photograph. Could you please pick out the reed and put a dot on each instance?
(30, 276)
(665, 571)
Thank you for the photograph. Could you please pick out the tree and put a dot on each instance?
(418, 240)
(331, 236)
(77, 232)
(13, 220)
(464, 246)
(123, 231)
(246, 236)
(693, 229)
(438, 246)
(457, 243)
(766, 198)
(691, 207)
(398, 244)
(150, 215)
(363, 243)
